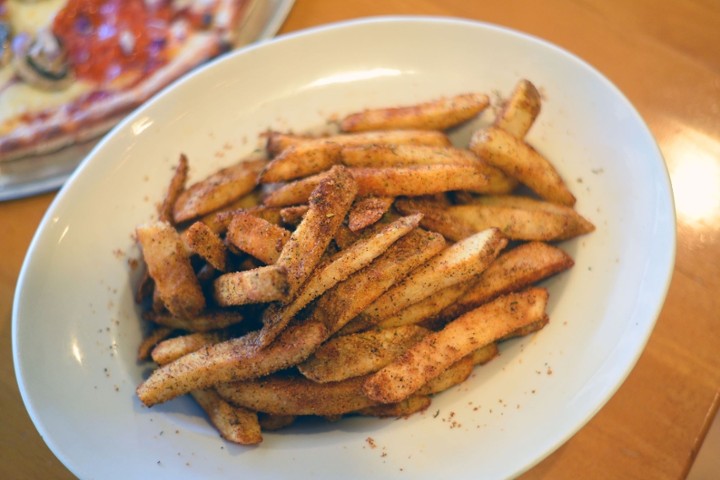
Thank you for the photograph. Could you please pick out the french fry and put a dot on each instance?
(259, 285)
(177, 185)
(437, 351)
(398, 156)
(231, 360)
(528, 329)
(202, 322)
(149, 343)
(358, 354)
(384, 155)
(336, 269)
(169, 266)
(283, 395)
(437, 114)
(404, 408)
(419, 180)
(519, 160)
(277, 142)
(217, 190)
(456, 264)
(301, 160)
(367, 211)
(219, 220)
(515, 269)
(520, 111)
(257, 237)
(270, 422)
(483, 355)
(455, 374)
(571, 224)
(516, 223)
(203, 241)
(329, 203)
(171, 349)
(429, 307)
(294, 193)
(519, 218)
(436, 217)
(293, 215)
(347, 299)
(235, 424)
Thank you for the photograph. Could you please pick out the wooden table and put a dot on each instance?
(665, 56)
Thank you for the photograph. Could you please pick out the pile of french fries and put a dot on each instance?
(358, 273)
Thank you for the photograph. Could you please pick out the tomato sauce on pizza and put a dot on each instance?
(119, 36)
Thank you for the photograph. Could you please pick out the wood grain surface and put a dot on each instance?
(665, 57)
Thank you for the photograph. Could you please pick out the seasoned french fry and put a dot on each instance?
(528, 329)
(429, 307)
(437, 351)
(519, 160)
(257, 237)
(384, 155)
(378, 156)
(437, 114)
(516, 223)
(418, 180)
(347, 299)
(169, 266)
(329, 203)
(270, 422)
(235, 424)
(231, 360)
(177, 185)
(277, 142)
(367, 211)
(149, 343)
(404, 408)
(573, 224)
(217, 190)
(301, 160)
(455, 374)
(336, 269)
(173, 348)
(483, 355)
(219, 220)
(520, 111)
(436, 217)
(456, 264)
(293, 215)
(519, 218)
(513, 270)
(283, 395)
(203, 241)
(294, 193)
(358, 354)
(202, 322)
(259, 285)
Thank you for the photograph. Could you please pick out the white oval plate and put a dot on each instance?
(75, 327)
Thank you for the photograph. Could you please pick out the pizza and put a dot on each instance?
(71, 69)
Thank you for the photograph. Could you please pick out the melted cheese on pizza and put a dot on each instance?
(30, 17)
